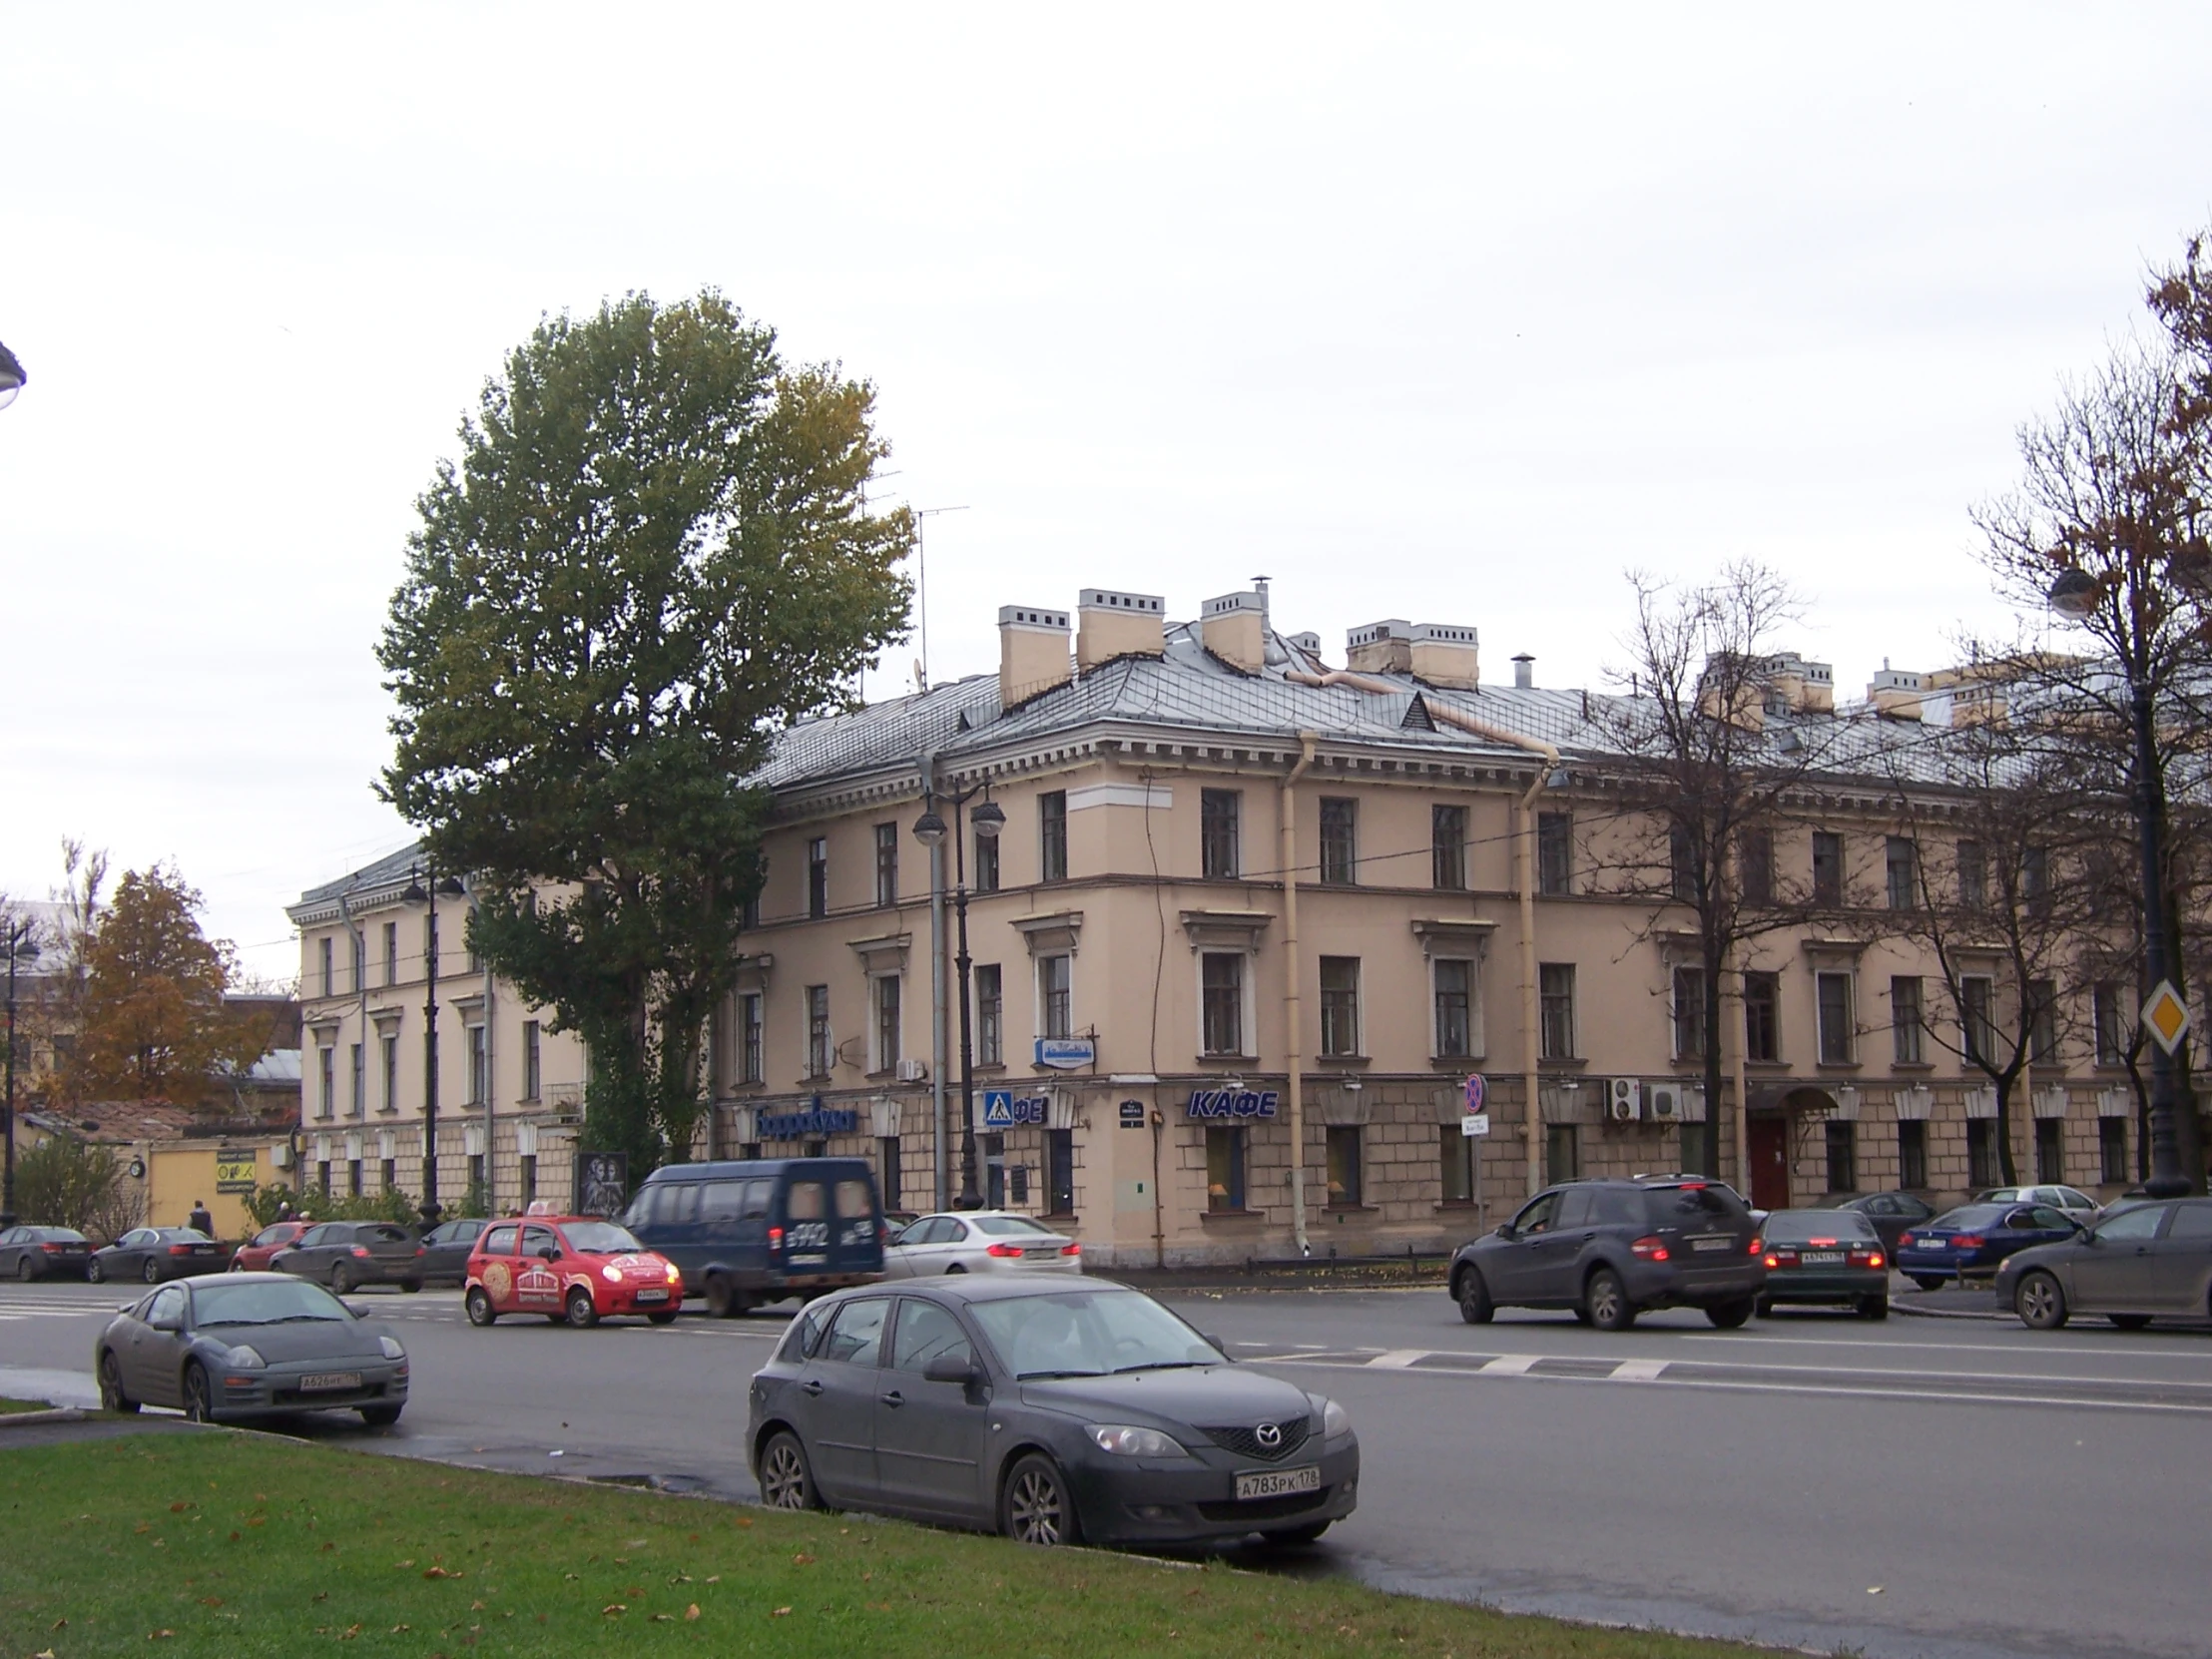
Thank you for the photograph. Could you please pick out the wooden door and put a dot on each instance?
(1770, 1162)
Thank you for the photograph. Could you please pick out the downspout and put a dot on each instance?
(1293, 1016)
(360, 991)
(491, 1076)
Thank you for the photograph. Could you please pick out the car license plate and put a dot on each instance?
(1279, 1483)
(1819, 1258)
(812, 1258)
(329, 1381)
(652, 1295)
(1712, 1243)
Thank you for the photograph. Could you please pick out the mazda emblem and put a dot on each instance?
(1268, 1435)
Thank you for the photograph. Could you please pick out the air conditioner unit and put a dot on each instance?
(911, 1071)
(1624, 1099)
(1666, 1102)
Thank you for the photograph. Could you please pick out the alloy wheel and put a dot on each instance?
(1607, 1301)
(23, 1269)
(153, 1273)
(95, 1274)
(1037, 1505)
(2039, 1301)
(479, 1305)
(198, 1401)
(112, 1396)
(784, 1475)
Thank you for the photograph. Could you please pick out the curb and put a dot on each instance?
(25, 1420)
(1910, 1310)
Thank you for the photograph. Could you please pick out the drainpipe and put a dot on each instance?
(361, 992)
(491, 1075)
(1292, 1017)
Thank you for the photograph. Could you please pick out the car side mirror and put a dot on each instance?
(1506, 1231)
(953, 1367)
(1218, 1346)
(166, 1324)
(360, 1310)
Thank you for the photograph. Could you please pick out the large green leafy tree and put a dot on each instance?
(655, 551)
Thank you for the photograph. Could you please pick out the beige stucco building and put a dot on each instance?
(1241, 902)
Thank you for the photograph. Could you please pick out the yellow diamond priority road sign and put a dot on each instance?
(2166, 1016)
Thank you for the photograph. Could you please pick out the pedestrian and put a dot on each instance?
(199, 1221)
(283, 1210)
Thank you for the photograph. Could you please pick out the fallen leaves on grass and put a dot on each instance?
(780, 1613)
(803, 1560)
(692, 1612)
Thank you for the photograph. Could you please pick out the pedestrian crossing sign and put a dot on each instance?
(2166, 1016)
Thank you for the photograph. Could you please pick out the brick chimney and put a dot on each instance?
(1233, 629)
(1032, 651)
(1112, 624)
(1385, 646)
(1444, 655)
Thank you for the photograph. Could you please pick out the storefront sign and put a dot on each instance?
(820, 1121)
(1066, 1053)
(1132, 1114)
(1233, 1103)
(1475, 1123)
(235, 1169)
(1001, 1110)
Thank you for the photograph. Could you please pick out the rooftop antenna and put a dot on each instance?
(1260, 586)
(922, 582)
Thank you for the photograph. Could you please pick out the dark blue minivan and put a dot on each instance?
(754, 1232)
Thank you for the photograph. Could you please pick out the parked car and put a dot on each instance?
(250, 1345)
(256, 1253)
(441, 1255)
(2151, 1261)
(1825, 1257)
(760, 1230)
(1053, 1412)
(1970, 1240)
(2071, 1202)
(1611, 1250)
(346, 1255)
(44, 1252)
(155, 1253)
(573, 1268)
(1891, 1212)
(980, 1240)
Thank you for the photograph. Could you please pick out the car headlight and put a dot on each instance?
(1127, 1441)
(611, 1274)
(391, 1348)
(675, 1274)
(247, 1359)
(1334, 1419)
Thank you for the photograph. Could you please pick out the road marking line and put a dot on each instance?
(1638, 1371)
(1509, 1364)
(1398, 1358)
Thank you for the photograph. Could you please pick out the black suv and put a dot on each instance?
(1609, 1250)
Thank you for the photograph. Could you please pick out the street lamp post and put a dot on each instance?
(18, 944)
(929, 830)
(428, 892)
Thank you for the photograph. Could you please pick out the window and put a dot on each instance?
(1554, 852)
(1911, 1153)
(1682, 864)
(323, 962)
(391, 1174)
(360, 955)
(391, 953)
(1455, 1158)
(986, 863)
(1221, 992)
(1218, 812)
(1907, 1020)
(359, 1070)
(886, 865)
(1555, 1001)
(475, 959)
(322, 1178)
(886, 988)
(1689, 1014)
(1828, 867)
(527, 1164)
(1833, 997)
(2035, 873)
(1562, 1153)
(1340, 1005)
(2042, 1025)
(1982, 1152)
(1901, 865)
(927, 1331)
(388, 1042)
(1225, 1169)
(1976, 1025)
(354, 1176)
(2050, 1149)
(749, 914)
(1052, 836)
(817, 1030)
(1755, 866)
(1340, 840)
(1343, 1167)
(1448, 849)
(1059, 1171)
(533, 1060)
(2112, 1149)
(476, 1171)
(858, 1333)
(327, 1103)
(1843, 1157)
(1455, 989)
(817, 876)
(752, 1038)
(994, 1172)
(1974, 876)
(1762, 1016)
(990, 1023)
(478, 1065)
(2109, 1016)
(1054, 974)
(886, 1170)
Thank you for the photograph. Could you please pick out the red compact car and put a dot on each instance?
(578, 1269)
(254, 1256)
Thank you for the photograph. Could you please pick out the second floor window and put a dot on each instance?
(886, 865)
(817, 1030)
(479, 1066)
(1682, 864)
(1555, 1002)
(1340, 1005)
(1828, 867)
(2043, 1022)
(1907, 1020)
(886, 1021)
(817, 876)
(533, 1060)
(1901, 863)
(1340, 848)
(1055, 996)
(1755, 866)
(2109, 1016)
(1689, 1014)
(1220, 993)
(325, 964)
(1053, 836)
(986, 863)
(1448, 850)
(389, 1043)
(1455, 979)
(1762, 1016)
(1832, 998)
(1977, 1032)
(1218, 813)
(990, 1011)
(1554, 852)
(360, 1081)
(751, 1062)
(1974, 876)
(391, 953)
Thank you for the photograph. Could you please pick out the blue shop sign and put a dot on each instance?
(1002, 1110)
(1233, 1103)
(1066, 1053)
(793, 1126)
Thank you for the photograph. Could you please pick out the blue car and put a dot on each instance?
(1972, 1241)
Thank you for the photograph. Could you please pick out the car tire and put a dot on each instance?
(112, 1396)
(95, 1274)
(1606, 1302)
(1474, 1297)
(342, 1278)
(1730, 1316)
(381, 1416)
(787, 1478)
(199, 1395)
(579, 1309)
(723, 1300)
(2129, 1322)
(1927, 1281)
(1297, 1537)
(153, 1273)
(23, 1269)
(1035, 1505)
(2039, 1301)
(477, 1305)
(661, 1316)
(236, 1265)
(1763, 1309)
(1873, 1307)
(410, 1286)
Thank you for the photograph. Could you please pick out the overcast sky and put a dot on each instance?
(1453, 315)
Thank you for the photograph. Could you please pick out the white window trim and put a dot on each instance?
(879, 1061)
(1477, 1038)
(1849, 977)
(1248, 1002)
(1359, 1049)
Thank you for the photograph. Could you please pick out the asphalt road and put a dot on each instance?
(1957, 1490)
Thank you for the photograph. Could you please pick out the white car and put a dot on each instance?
(2071, 1202)
(980, 1240)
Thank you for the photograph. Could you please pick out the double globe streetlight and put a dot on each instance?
(929, 830)
(429, 891)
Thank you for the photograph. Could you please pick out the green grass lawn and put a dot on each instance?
(24, 1406)
(243, 1545)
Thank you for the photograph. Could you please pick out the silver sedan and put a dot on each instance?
(980, 1240)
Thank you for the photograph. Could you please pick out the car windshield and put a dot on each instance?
(1001, 1226)
(1805, 1226)
(1970, 1214)
(599, 1238)
(1090, 1332)
(265, 1302)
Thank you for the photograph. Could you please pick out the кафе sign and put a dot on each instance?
(1231, 1103)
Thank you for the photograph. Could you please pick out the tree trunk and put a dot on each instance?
(1709, 1138)
(2007, 1169)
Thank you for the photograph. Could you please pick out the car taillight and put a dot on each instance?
(423, 1250)
(1003, 1251)
(51, 1249)
(362, 1251)
(1865, 1258)
(1758, 1245)
(1072, 1249)
(180, 1249)
(1650, 1248)
(1969, 1241)
(776, 1238)
(1779, 1258)
(1822, 1243)
(1905, 1241)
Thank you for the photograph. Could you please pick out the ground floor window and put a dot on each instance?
(1059, 1170)
(1982, 1152)
(2050, 1149)
(750, 1151)
(886, 1149)
(1843, 1157)
(1562, 1153)
(1343, 1168)
(1018, 1184)
(529, 1163)
(391, 1174)
(353, 1176)
(322, 1176)
(1225, 1169)
(476, 1172)
(994, 1172)
(2112, 1149)
(1456, 1156)
(1911, 1153)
